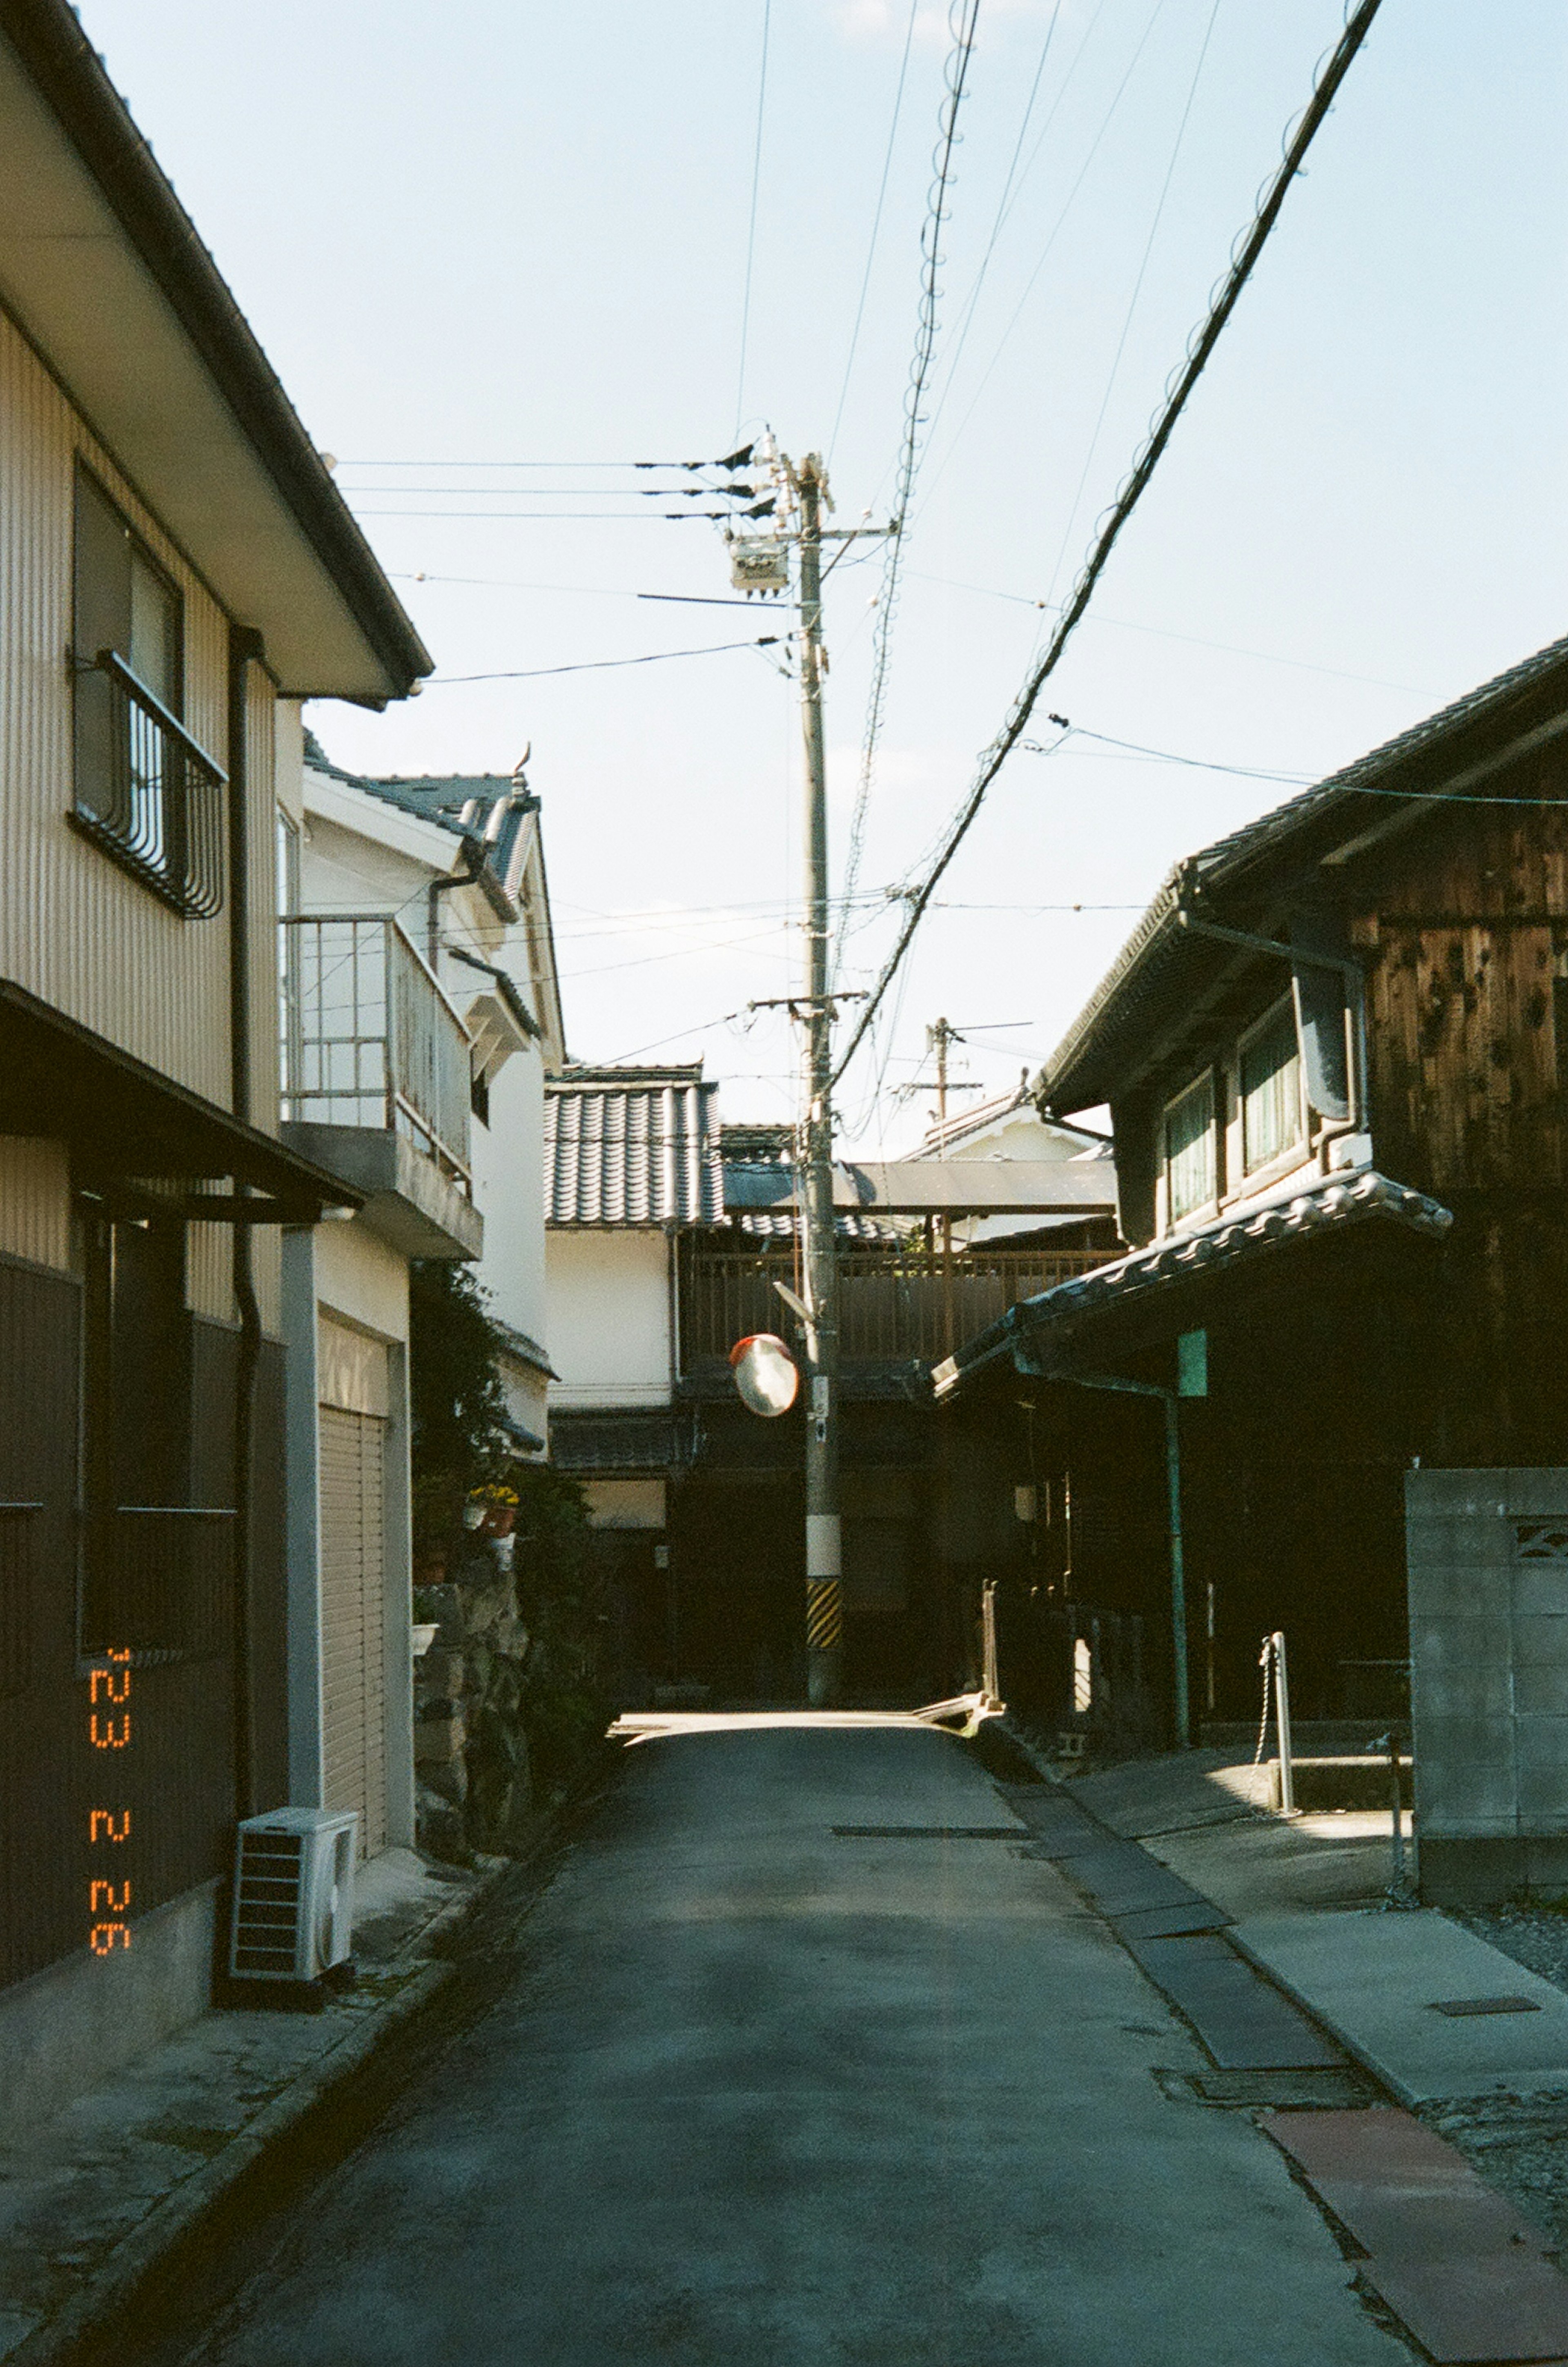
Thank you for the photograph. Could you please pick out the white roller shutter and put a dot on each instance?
(354, 1618)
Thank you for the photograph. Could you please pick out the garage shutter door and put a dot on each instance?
(353, 1619)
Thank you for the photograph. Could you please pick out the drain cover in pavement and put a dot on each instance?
(1485, 2005)
(1170, 1922)
(1244, 2023)
(1499, 2306)
(1449, 2254)
(1124, 1879)
(930, 1833)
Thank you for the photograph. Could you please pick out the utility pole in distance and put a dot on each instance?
(759, 562)
(824, 1533)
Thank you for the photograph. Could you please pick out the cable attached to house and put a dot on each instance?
(1202, 347)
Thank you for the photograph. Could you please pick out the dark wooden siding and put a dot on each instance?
(1459, 925)
(42, 1836)
(176, 1777)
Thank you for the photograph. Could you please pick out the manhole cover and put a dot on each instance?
(1485, 2005)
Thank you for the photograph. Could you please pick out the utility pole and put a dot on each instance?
(939, 1037)
(824, 1549)
(759, 562)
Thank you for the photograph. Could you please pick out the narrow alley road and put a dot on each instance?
(760, 2094)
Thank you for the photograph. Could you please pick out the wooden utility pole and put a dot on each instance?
(939, 1037)
(824, 1547)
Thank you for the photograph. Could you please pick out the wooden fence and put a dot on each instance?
(891, 1304)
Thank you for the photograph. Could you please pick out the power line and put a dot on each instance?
(1005, 203)
(730, 461)
(1208, 337)
(963, 16)
(565, 517)
(1167, 633)
(752, 229)
(1056, 231)
(875, 225)
(600, 665)
(1137, 288)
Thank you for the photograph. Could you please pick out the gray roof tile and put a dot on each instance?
(632, 1146)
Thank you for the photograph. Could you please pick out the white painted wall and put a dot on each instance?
(509, 1190)
(361, 855)
(609, 1316)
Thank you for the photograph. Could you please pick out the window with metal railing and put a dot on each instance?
(145, 790)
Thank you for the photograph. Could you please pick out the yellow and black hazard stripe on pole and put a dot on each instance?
(824, 1614)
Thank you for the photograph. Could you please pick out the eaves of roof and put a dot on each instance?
(69, 77)
(1296, 847)
(1034, 1332)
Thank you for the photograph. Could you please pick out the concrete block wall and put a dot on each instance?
(1487, 1563)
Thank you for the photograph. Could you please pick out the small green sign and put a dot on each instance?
(1192, 1364)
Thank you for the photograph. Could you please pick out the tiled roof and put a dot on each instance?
(1079, 1072)
(631, 1147)
(780, 1224)
(1287, 1215)
(458, 802)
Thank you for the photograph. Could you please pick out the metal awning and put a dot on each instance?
(129, 1128)
(953, 1187)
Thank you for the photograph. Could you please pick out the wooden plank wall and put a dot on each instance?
(1463, 924)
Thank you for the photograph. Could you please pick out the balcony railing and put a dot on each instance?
(370, 1039)
(146, 791)
(891, 1304)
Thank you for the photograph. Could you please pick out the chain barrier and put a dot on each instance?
(1266, 1662)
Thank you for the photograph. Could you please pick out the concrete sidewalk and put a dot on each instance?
(1307, 1900)
(103, 2190)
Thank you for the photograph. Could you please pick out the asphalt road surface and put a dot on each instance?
(763, 2097)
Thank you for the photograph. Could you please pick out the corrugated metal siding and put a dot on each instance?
(43, 1779)
(74, 927)
(354, 1618)
(35, 1201)
(633, 1147)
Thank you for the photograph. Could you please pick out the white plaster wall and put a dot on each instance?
(509, 1191)
(1021, 1135)
(340, 871)
(359, 1276)
(608, 1301)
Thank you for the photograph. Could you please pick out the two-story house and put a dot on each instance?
(444, 878)
(1336, 1055)
(177, 572)
(670, 1239)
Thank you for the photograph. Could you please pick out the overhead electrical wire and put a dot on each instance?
(1006, 200)
(1044, 255)
(1167, 633)
(1115, 369)
(1245, 257)
(963, 16)
(875, 224)
(577, 518)
(752, 227)
(730, 461)
(600, 665)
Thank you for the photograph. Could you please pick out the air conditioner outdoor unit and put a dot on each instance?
(293, 1916)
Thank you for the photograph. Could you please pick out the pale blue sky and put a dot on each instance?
(486, 231)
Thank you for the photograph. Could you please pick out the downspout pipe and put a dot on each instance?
(474, 857)
(244, 648)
